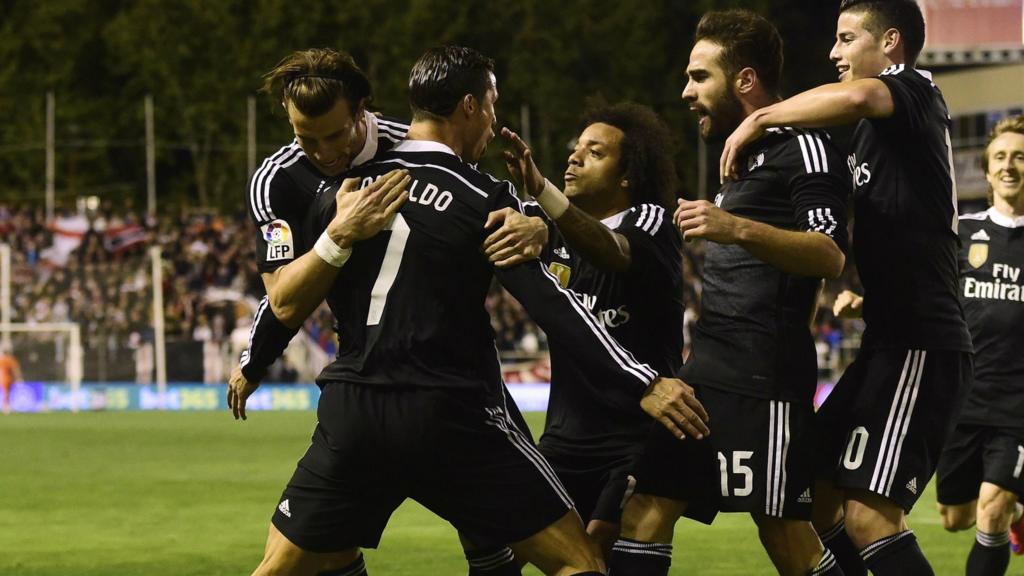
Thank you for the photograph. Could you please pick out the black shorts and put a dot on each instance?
(757, 459)
(976, 454)
(883, 426)
(453, 451)
(599, 484)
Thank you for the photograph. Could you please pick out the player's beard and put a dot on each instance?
(724, 117)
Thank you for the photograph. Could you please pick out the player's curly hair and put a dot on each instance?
(903, 15)
(314, 80)
(646, 151)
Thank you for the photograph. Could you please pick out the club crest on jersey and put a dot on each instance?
(755, 160)
(560, 271)
(280, 244)
(977, 255)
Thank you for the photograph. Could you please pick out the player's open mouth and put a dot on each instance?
(842, 70)
(570, 177)
(1010, 179)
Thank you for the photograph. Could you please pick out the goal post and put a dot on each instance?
(38, 347)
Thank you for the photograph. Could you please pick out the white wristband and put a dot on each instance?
(552, 201)
(330, 252)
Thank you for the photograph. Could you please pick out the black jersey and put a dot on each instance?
(905, 220)
(992, 290)
(642, 307)
(282, 190)
(409, 302)
(753, 335)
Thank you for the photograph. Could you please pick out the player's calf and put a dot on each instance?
(990, 554)
(283, 558)
(563, 548)
(644, 547)
(794, 548)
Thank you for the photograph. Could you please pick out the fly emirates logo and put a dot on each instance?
(1004, 285)
(611, 318)
(861, 171)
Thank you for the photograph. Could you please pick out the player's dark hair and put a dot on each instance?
(646, 151)
(443, 76)
(903, 15)
(1013, 124)
(748, 41)
(314, 80)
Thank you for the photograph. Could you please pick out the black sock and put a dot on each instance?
(357, 568)
(895, 555)
(633, 558)
(827, 566)
(492, 562)
(847, 556)
(990, 555)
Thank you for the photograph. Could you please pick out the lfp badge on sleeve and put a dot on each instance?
(279, 241)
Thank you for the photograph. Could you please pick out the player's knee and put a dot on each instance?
(870, 517)
(956, 518)
(650, 518)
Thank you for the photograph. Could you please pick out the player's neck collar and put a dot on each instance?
(370, 144)
(1004, 220)
(423, 146)
(612, 222)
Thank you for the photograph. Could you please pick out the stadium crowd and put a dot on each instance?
(92, 268)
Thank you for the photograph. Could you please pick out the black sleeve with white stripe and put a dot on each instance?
(913, 98)
(653, 241)
(275, 207)
(564, 317)
(268, 338)
(819, 186)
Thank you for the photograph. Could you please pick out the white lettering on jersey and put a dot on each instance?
(861, 172)
(280, 243)
(430, 195)
(611, 318)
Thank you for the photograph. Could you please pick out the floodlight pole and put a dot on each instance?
(150, 159)
(250, 141)
(5, 293)
(158, 322)
(50, 156)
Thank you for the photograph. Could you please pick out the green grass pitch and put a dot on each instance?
(171, 493)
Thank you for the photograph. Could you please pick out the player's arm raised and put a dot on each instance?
(606, 249)
(828, 105)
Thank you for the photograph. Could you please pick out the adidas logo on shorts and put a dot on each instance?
(283, 507)
(805, 498)
(912, 485)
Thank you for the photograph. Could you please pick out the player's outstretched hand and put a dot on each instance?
(848, 305)
(520, 164)
(748, 131)
(365, 212)
(671, 402)
(239, 389)
(519, 238)
(702, 219)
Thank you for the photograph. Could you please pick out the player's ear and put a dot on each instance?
(746, 79)
(469, 104)
(890, 40)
